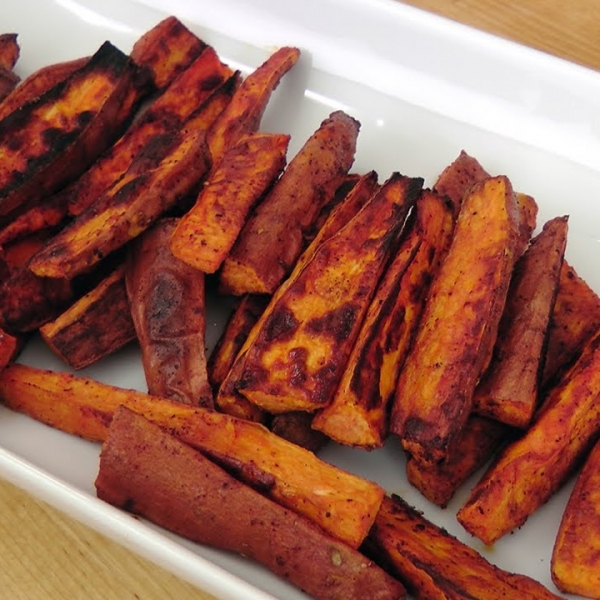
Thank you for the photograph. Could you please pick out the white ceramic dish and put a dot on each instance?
(424, 88)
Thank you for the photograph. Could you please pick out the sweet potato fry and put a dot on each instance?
(296, 427)
(242, 319)
(95, 326)
(574, 321)
(358, 413)
(509, 389)
(480, 439)
(459, 325)
(228, 399)
(304, 338)
(168, 309)
(532, 468)
(167, 49)
(8, 82)
(9, 50)
(207, 232)
(341, 503)
(169, 111)
(244, 113)
(575, 564)
(128, 208)
(146, 471)
(433, 564)
(272, 238)
(38, 83)
(52, 139)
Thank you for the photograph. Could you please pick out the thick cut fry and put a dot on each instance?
(575, 562)
(358, 413)
(10, 346)
(481, 438)
(273, 236)
(341, 503)
(434, 565)
(228, 399)
(38, 83)
(305, 336)
(207, 232)
(244, 113)
(167, 49)
(574, 321)
(148, 472)
(168, 112)
(128, 208)
(533, 467)
(95, 326)
(168, 307)
(8, 82)
(509, 389)
(460, 321)
(55, 137)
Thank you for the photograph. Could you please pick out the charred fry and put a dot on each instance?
(304, 338)
(95, 326)
(358, 413)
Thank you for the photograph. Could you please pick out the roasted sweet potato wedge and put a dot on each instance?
(273, 237)
(54, 138)
(228, 398)
(575, 562)
(454, 342)
(146, 471)
(299, 348)
(168, 112)
(152, 186)
(95, 326)
(509, 389)
(575, 319)
(358, 413)
(207, 232)
(166, 50)
(533, 467)
(38, 83)
(243, 115)
(167, 299)
(341, 503)
(433, 564)
(481, 438)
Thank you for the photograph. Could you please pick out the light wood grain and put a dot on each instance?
(48, 556)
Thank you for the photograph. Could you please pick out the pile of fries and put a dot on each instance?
(132, 184)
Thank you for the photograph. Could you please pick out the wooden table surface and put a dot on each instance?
(47, 556)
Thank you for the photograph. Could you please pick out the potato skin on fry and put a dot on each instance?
(168, 307)
(575, 562)
(456, 336)
(273, 237)
(434, 565)
(341, 503)
(148, 472)
(304, 337)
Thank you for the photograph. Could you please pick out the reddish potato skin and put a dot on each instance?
(167, 300)
(146, 471)
(575, 565)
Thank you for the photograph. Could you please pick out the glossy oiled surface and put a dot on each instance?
(48, 556)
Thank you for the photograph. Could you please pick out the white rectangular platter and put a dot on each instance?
(424, 89)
